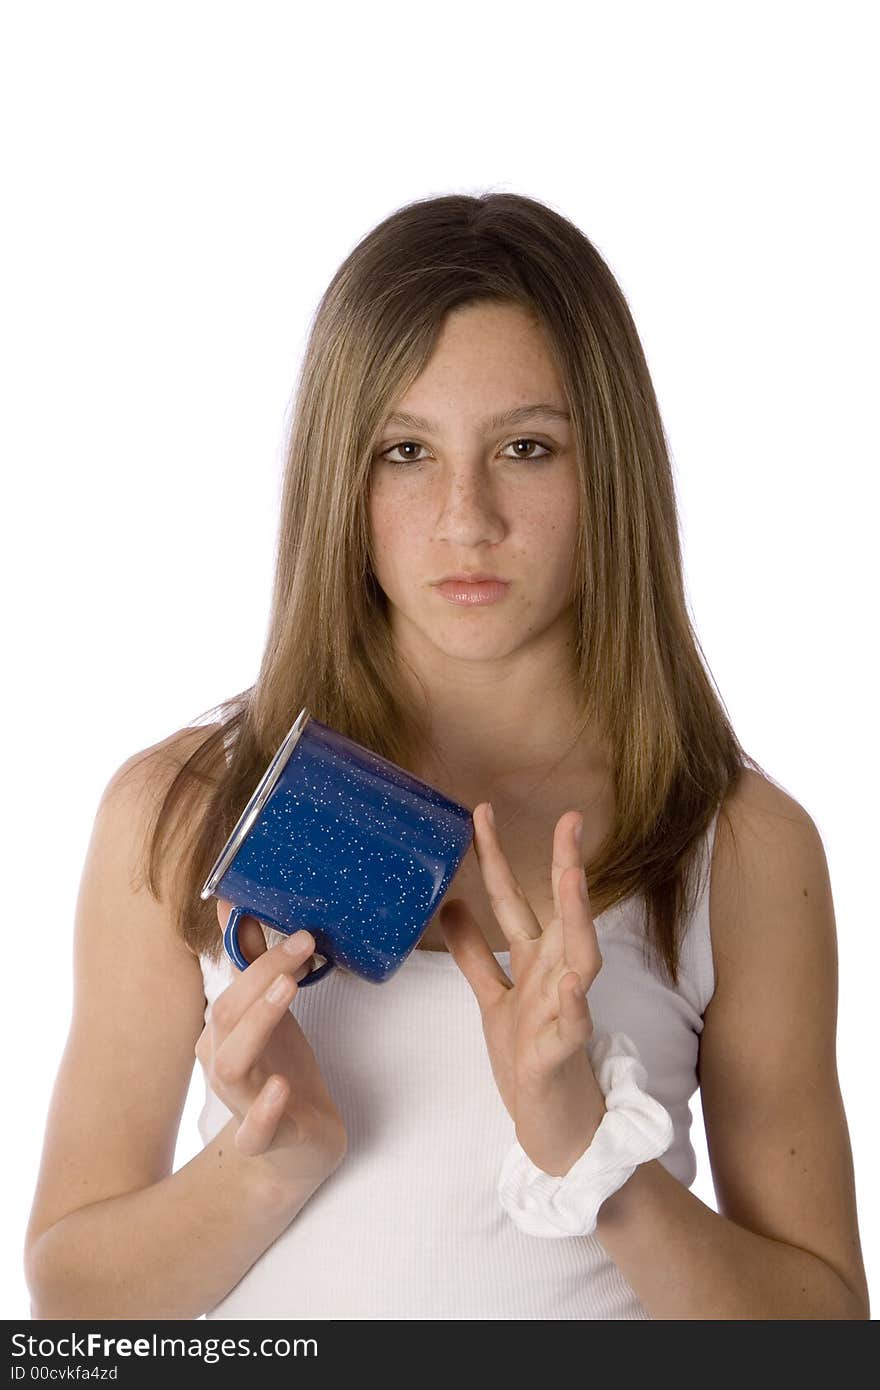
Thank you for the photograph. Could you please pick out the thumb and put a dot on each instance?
(251, 938)
(250, 933)
(470, 951)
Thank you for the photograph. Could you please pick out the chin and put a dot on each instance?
(477, 647)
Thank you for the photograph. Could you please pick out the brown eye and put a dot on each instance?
(406, 444)
(531, 457)
(410, 444)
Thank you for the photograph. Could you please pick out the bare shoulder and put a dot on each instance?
(134, 794)
(768, 856)
(757, 805)
(149, 771)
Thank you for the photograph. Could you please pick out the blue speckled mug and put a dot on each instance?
(344, 843)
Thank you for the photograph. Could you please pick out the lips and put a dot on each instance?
(473, 593)
(478, 577)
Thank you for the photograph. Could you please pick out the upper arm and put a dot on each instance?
(776, 1130)
(138, 1010)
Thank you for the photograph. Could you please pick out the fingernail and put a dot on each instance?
(579, 832)
(490, 814)
(299, 942)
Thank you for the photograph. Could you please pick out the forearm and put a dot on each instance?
(171, 1250)
(685, 1261)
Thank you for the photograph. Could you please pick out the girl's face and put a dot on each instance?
(459, 492)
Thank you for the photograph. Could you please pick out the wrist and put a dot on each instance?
(281, 1180)
(635, 1129)
(557, 1120)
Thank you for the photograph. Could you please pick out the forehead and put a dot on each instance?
(489, 361)
(516, 415)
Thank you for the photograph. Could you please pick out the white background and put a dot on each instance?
(181, 181)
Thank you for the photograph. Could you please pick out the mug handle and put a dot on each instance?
(234, 951)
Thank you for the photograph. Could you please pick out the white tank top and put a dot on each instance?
(409, 1226)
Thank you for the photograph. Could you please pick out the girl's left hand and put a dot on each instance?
(537, 1027)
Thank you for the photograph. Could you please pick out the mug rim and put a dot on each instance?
(260, 796)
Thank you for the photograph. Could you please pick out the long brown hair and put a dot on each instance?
(641, 670)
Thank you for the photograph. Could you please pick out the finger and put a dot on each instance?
(508, 901)
(580, 944)
(567, 851)
(236, 1054)
(249, 985)
(569, 944)
(252, 938)
(569, 1026)
(257, 1129)
(574, 1025)
(470, 950)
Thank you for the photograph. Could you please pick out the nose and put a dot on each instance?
(469, 510)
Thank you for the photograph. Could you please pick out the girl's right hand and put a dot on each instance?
(259, 1062)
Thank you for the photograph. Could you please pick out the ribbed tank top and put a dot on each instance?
(409, 1226)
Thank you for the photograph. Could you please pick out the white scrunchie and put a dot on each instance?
(634, 1129)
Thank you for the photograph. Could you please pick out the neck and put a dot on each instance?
(508, 773)
(505, 716)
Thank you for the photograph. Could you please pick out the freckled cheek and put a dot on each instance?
(394, 534)
(547, 525)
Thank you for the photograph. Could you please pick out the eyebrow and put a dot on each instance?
(506, 417)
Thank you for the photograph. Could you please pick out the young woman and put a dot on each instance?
(474, 403)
